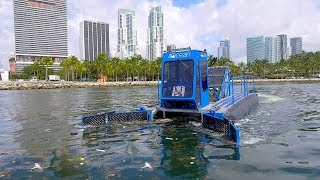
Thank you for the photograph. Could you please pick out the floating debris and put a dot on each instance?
(147, 166)
(73, 133)
(197, 124)
(303, 162)
(37, 167)
(100, 150)
(169, 139)
(163, 121)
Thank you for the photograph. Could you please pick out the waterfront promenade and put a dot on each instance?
(27, 85)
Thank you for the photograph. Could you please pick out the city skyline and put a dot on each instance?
(178, 30)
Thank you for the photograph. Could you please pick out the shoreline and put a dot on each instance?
(27, 85)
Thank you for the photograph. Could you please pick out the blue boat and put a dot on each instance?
(189, 88)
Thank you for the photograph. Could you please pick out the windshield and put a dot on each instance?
(178, 79)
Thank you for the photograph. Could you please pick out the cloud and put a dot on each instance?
(6, 32)
(200, 24)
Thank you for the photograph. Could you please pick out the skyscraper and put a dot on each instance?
(255, 49)
(273, 49)
(224, 49)
(40, 30)
(296, 45)
(127, 33)
(283, 46)
(155, 42)
(94, 39)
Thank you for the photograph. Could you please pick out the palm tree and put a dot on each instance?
(158, 66)
(44, 63)
(100, 63)
(36, 67)
(212, 60)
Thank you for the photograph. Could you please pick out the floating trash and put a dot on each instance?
(36, 167)
(100, 150)
(147, 166)
(169, 139)
(73, 133)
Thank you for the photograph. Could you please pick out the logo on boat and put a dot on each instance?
(179, 55)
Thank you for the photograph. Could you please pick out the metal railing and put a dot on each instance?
(242, 85)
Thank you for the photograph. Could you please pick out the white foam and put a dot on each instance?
(270, 98)
(252, 141)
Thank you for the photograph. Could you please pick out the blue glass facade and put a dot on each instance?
(255, 49)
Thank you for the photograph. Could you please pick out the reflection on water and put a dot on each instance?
(280, 138)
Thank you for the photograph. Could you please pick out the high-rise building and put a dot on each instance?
(94, 39)
(171, 47)
(288, 52)
(40, 28)
(255, 49)
(224, 49)
(155, 42)
(127, 33)
(296, 45)
(273, 49)
(283, 46)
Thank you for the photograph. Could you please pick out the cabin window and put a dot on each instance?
(178, 79)
(204, 75)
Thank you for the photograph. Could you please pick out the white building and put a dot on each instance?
(94, 40)
(155, 41)
(224, 49)
(288, 52)
(127, 33)
(4, 75)
(273, 49)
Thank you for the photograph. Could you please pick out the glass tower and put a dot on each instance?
(155, 42)
(273, 49)
(255, 49)
(127, 33)
(296, 45)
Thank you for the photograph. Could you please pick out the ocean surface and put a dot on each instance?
(280, 138)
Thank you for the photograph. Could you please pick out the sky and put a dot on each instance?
(200, 24)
